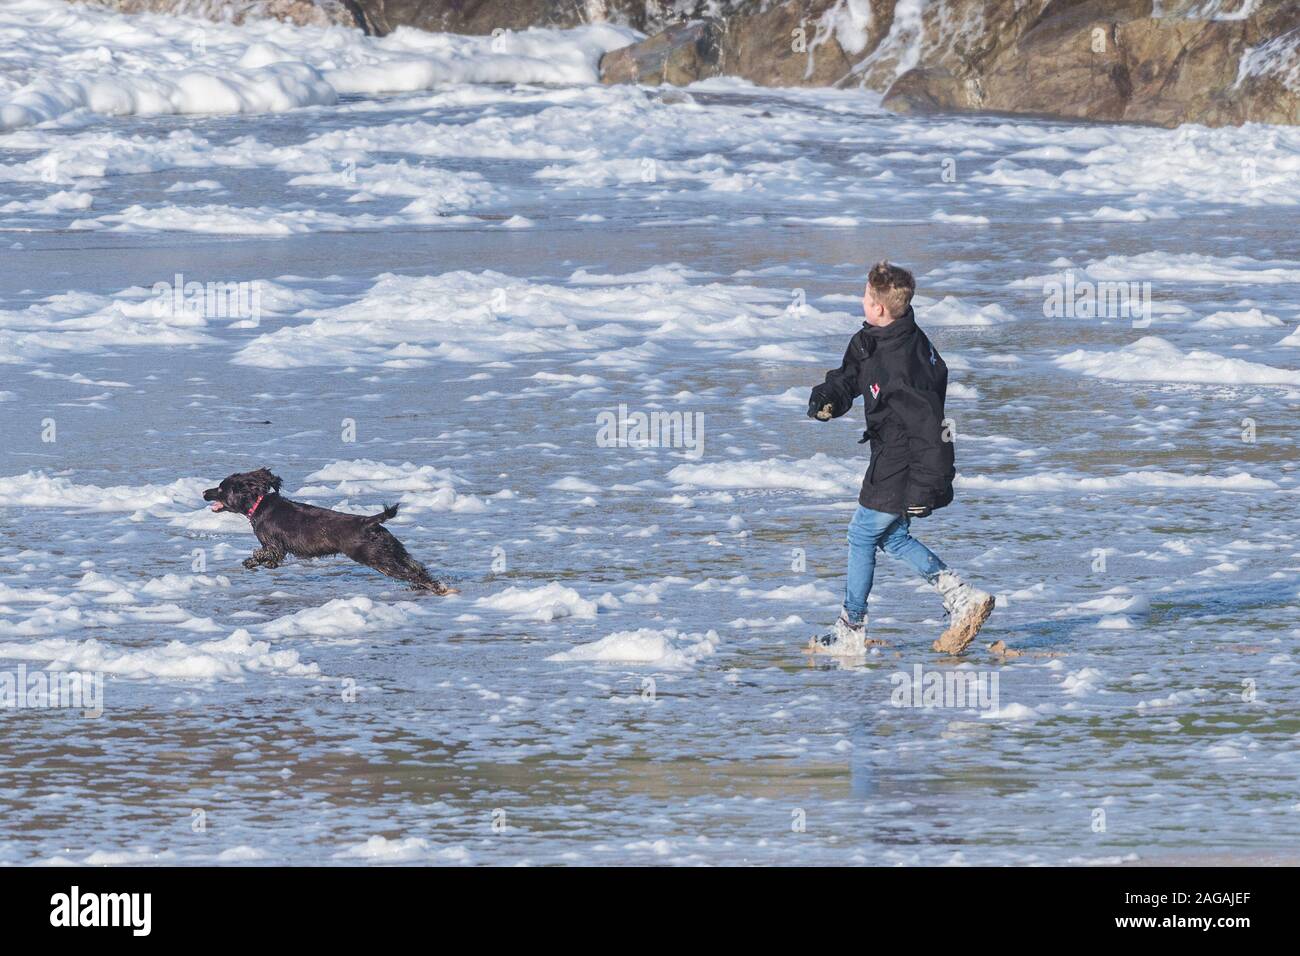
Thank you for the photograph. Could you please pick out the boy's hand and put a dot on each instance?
(819, 405)
(920, 511)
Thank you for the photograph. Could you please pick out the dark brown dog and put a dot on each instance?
(305, 531)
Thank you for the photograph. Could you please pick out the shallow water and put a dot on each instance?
(1165, 703)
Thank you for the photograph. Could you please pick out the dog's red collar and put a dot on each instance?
(255, 504)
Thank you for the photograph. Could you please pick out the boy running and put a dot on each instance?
(902, 380)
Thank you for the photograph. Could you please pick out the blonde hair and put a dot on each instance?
(891, 286)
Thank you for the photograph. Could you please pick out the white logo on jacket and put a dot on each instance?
(875, 390)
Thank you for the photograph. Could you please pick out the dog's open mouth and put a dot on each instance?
(217, 506)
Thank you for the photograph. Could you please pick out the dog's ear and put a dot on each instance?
(272, 481)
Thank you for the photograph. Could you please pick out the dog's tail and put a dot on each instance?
(388, 512)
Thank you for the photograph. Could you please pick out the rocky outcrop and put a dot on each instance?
(772, 45)
(485, 16)
(1113, 61)
(1157, 61)
(1216, 62)
(681, 54)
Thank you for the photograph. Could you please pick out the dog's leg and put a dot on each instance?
(265, 558)
(383, 552)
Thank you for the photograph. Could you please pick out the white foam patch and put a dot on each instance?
(663, 648)
(99, 601)
(97, 588)
(61, 201)
(117, 65)
(1252, 165)
(793, 397)
(953, 311)
(380, 849)
(415, 487)
(70, 157)
(549, 602)
(160, 316)
(343, 617)
(51, 622)
(1117, 601)
(36, 489)
(1249, 319)
(438, 190)
(434, 193)
(413, 321)
(409, 59)
(615, 136)
(1010, 712)
(1174, 267)
(819, 474)
(1153, 359)
(711, 169)
(230, 658)
(262, 220)
(177, 585)
(959, 218)
(1138, 214)
(1055, 481)
(809, 594)
(242, 853)
(1082, 683)
(1176, 699)
(79, 322)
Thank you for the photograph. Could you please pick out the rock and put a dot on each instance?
(679, 55)
(930, 90)
(1108, 60)
(771, 45)
(484, 16)
(766, 47)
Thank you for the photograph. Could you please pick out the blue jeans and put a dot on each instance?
(868, 531)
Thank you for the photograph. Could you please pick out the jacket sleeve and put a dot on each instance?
(930, 454)
(839, 389)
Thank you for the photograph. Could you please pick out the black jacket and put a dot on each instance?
(902, 380)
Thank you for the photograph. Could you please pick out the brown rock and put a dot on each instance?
(931, 90)
(780, 46)
(679, 55)
(479, 16)
(1109, 60)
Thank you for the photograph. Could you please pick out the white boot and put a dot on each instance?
(968, 608)
(846, 640)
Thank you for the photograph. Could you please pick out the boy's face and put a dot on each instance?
(875, 313)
